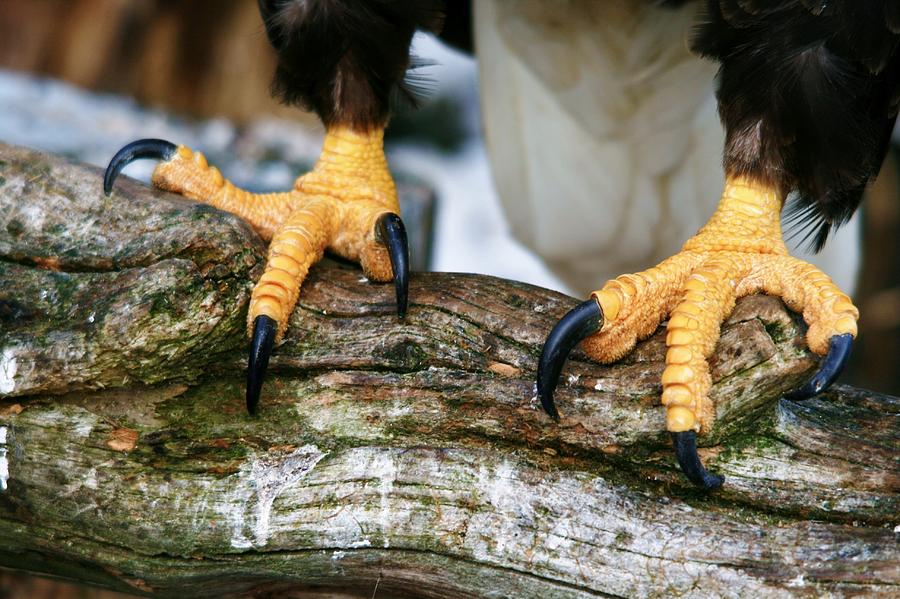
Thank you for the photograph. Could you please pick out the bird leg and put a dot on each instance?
(740, 251)
(347, 204)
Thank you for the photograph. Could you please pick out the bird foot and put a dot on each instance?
(740, 251)
(346, 204)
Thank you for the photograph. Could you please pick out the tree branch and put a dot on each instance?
(411, 454)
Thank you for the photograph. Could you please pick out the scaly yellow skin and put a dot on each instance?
(738, 252)
(334, 206)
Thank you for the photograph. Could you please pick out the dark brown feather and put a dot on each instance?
(892, 16)
(457, 29)
(345, 59)
(807, 92)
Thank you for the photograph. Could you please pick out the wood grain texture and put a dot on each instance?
(408, 454)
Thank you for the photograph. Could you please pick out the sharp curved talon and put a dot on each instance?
(584, 319)
(390, 231)
(838, 353)
(686, 452)
(264, 331)
(142, 148)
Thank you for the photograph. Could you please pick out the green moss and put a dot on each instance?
(15, 227)
(777, 331)
(215, 409)
(623, 537)
(406, 355)
(66, 286)
(753, 443)
(515, 301)
(160, 304)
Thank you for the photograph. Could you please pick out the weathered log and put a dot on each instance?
(408, 455)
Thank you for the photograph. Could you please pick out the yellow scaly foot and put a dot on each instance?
(346, 204)
(740, 251)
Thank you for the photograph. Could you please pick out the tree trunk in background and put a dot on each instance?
(875, 360)
(408, 455)
(203, 57)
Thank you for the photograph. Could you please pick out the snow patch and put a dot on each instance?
(399, 411)
(34, 216)
(500, 490)
(90, 480)
(239, 541)
(4, 462)
(384, 468)
(82, 428)
(269, 476)
(513, 510)
(534, 401)
(8, 369)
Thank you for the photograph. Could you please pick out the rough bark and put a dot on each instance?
(411, 455)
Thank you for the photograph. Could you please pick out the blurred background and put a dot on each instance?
(84, 77)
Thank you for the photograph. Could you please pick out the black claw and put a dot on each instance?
(264, 331)
(142, 148)
(390, 231)
(838, 353)
(583, 320)
(686, 451)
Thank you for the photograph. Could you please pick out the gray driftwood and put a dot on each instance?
(409, 455)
